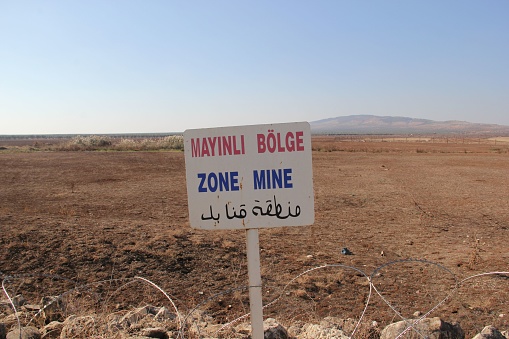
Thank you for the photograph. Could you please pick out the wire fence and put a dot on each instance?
(432, 138)
(436, 283)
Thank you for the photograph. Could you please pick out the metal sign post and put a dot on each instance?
(255, 283)
(250, 177)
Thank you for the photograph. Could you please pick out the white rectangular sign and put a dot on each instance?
(246, 177)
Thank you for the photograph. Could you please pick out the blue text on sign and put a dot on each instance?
(272, 178)
(212, 182)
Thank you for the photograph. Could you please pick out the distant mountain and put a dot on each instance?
(372, 124)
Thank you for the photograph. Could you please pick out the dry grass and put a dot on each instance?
(95, 143)
(499, 139)
(474, 257)
(400, 144)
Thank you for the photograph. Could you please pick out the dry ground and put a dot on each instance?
(97, 216)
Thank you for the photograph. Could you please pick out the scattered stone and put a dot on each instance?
(315, 331)
(163, 314)
(198, 323)
(28, 332)
(346, 325)
(75, 327)
(149, 322)
(52, 330)
(346, 251)
(273, 330)
(329, 327)
(30, 307)
(136, 315)
(19, 301)
(433, 328)
(5, 306)
(12, 319)
(52, 308)
(490, 332)
(156, 332)
(294, 330)
(243, 328)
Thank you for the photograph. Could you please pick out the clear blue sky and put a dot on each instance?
(166, 66)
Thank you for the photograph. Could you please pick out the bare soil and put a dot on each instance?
(94, 217)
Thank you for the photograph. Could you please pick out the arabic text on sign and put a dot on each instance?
(272, 208)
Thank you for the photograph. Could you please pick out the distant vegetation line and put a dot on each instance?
(70, 136)
(96, 143)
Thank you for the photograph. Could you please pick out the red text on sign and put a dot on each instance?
(217, 146)
(278, 143)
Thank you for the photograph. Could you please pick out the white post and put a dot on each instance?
(255, 283)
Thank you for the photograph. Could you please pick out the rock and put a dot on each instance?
(490, 332)
(198, 323)
(5, 306)
(346, 251)
(163, 314)
(77, 327)
(52, 308)
(143, 317)
(329, 327)
(28, 332)
(243, 328)
(3, 331)
(30, 307)
(273, 330)
(113, 321)
(52, 330)
(156, 332)
(136, 315)
(12, 319)
(314, 331)
(433, 328)
(294, 330)
(346, 325)
(18, 301)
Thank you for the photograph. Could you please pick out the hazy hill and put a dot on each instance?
(372, 124)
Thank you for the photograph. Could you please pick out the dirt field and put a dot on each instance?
(97, 216)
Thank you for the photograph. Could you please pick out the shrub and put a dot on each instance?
(98, 142)
(171, 142)
(88, 143)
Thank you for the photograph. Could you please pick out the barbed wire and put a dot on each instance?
(182, 321)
